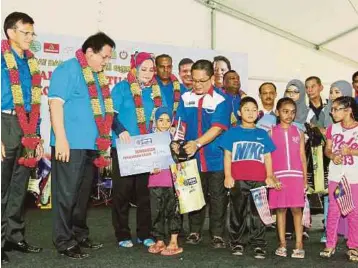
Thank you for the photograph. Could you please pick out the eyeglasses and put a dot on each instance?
(292, 92)
(335, 110)
(201, 81)
(27, 34)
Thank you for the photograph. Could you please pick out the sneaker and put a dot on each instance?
(218, 242)
(259, 253)
(193, 238)
(305, 236)
(146, 242)
(237, 250)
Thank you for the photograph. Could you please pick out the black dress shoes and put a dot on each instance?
(74, 253)
(22, 246)
(4, 257)
(88, 243)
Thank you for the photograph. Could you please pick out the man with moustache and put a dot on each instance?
(232, 89)
(184, 68)
(15, 65)
(205, 115)
(267, 116)
(167, 81)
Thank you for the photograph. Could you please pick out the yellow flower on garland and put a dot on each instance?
(33, 65)
(108, 104)
(135, 89)
(140, 115)
(88, 75)
(36, 94)
(102, 79)
(10, 60)
(17, 94)
(96, 107)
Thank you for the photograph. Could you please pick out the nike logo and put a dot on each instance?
(259, 139)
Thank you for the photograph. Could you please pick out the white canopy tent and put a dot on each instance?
(284, 39)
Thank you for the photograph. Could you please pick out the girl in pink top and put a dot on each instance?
(342, 149)
(289, 166)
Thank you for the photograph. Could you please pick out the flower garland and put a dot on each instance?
(138, 101)
(28, 123)
(176, 86)
(104, 124)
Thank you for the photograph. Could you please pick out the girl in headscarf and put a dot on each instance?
(338, 89)
(135, 102)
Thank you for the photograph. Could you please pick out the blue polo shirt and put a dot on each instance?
(184, 89)
(7, 102)
(68, 84)
(199, 113)
(356, 99)
(167, 92)
(124, 104)
(233, 101)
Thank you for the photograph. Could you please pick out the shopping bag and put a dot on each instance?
(187, 184)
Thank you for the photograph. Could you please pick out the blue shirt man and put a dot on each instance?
(7, 102)
(68, 84)
(199, 113)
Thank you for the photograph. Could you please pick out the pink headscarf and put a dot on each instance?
(136, 60)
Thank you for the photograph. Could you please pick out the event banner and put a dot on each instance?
(144, 153)
(51, 50)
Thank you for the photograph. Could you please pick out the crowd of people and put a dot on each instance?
(237, 146)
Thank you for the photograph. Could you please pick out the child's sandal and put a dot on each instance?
(298, 254)
(154, 249)
(171, 251)
(353, 255)
(281, 251)
(327, 252)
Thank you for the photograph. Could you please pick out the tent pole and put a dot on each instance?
(213, 28)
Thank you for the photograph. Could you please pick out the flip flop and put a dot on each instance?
(171, 251)
(154, 249)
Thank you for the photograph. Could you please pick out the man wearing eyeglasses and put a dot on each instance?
(19, 31)
(205, 115)
(73, 141)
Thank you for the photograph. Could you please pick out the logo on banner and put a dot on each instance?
(35, 46)
(68, 50)
(123, 55)
(51, 48)
(114, 55)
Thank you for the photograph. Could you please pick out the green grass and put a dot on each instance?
(39, 233)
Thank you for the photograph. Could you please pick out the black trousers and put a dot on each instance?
(123, 188)
(245, 225)
(216, 197)
(164, 206)
(14, 182)
(71, 190)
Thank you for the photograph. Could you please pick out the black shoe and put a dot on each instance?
(22, 246)
(305, 236)
(74, 253)
(88, 243)
(237, 250)
(218, 242)
(288, 236)
(259, 253)
(4, 257)
(193, 239)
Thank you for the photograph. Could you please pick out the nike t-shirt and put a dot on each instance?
(248, 147)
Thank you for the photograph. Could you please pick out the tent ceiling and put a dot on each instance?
(317, 22)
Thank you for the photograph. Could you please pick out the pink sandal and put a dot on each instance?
(155, 249)
(171, 251)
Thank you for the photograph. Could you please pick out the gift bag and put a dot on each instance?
(306, 217)
(187, 186)
(259, 196)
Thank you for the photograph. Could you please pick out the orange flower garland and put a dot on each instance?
(104, 124)
(28, 123)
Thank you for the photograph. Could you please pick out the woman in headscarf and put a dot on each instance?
(295, 90)
(135, 101)
(338, 89)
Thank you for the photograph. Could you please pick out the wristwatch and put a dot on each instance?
(198, 145)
